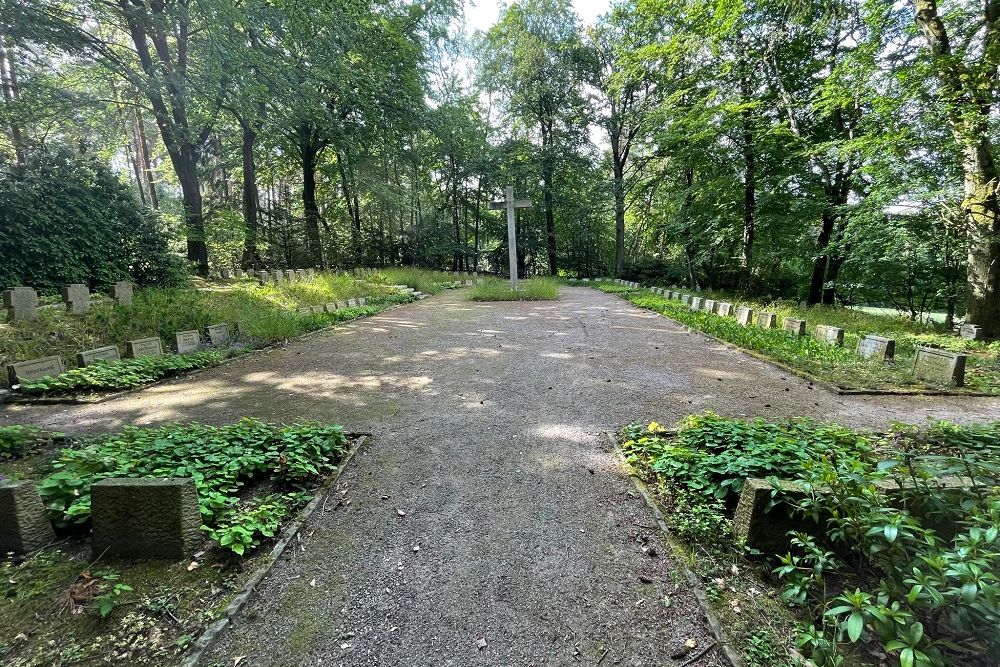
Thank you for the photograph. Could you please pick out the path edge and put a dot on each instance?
(212, 633)
(714, 623)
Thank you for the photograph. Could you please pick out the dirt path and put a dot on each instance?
(518, 528)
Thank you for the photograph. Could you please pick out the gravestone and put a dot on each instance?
(709, 305)
(572, 280)
(34, 369)
(351, 303)
(724, 309)
(362, 301)
(77, 298)
(218, 334)
(122, 292)
(310, 273)
(744, 316)
(240, 274)
(187, 341)
(686, 299)
(696, 302)
(876, 347)
(331, 308)
(290, 275)
(972, 332)
(939, 366)
(586, 280)
(145, 347)
(794, 326)
(145, 518)
(108, 353)
(226, 274)
(263, 277)
(317, 310)
(304, 310)
(468, 283)
(278, 276)
(24, 525)
(830, 335)
(767, 320)
(300, 274)
(20, 303)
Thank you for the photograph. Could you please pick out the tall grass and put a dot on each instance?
(534, 289)
(422, 280)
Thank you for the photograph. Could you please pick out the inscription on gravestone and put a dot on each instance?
(724, 309)
(696, 302)
(278, 276)
(218, 334)
(263, 277)
(20, 303)
(939, 366)
(331, 307)
(290, 275)
(972, 332)
(226, 274)
(87, 357)
(240, 274)
(300, 274)
(34, 369)
(744, 316)
(122, 292)
(876, 347)
(351, 303)
(794, 326)
(187, 341)
(767, 320)
(77, 298)
(709, 305)
(145, 347)
(830, 335)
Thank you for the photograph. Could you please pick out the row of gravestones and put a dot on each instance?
(130, 517)
(288, 275)
(184, 342)
(587, 280)
(21, 303)
(938, 366)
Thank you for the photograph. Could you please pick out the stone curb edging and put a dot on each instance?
(714, 623)
(208, 638)
(826, 384)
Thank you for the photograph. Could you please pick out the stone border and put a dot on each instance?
(208, 638)
(681, 553)
(826, 384)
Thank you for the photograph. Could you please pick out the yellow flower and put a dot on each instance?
(655, 428)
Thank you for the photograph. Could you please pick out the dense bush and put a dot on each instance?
(68, 219)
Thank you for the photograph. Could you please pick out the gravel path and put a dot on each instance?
(484, 508)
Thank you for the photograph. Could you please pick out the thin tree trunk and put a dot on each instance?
(12, 94)
(147, 167)
(251, 201)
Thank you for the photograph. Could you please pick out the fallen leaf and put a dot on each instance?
(192, 566)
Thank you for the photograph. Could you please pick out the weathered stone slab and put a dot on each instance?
(187, 341)
(278, 276)
(972, 332)
(332, 307)
(34, 369)
(122, 292)
(263, 277)
(290, 275)
(708, 305)
(744, 316)
(767, 320)
(304, 310)
(794, 326)
(218, 334)
(20, 303)
(317, 310)
(24, 525)
(939, 366)
(876, 347)
(830, 335)
(468, 283)
(586, 280)
(362, 301)
(226, 274)
(310, 273)
(724, 309)
(686, 299)
(352, 303)
(145, 347)
(108, 353)
(300, 274)
(240, 274)
(145, 518)
(696, 302)
(77, 298)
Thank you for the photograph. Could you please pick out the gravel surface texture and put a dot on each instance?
(484, 524)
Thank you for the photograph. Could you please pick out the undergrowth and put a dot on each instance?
(116, 376)
(533, 289)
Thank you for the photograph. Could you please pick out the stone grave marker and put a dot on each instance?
(972, 332)
(362, 301)
(709, 305)
(794, 326)
(218, 334)
(77, 298)
(187, 341)
(145, 518)
(939, 366)
(767, 320)
(316, 310)
(145, 347)
(876, 347)
(226, 274)
(586, 280)
(310, 273)
(468, 283)
(510, 205)
(351, 303)
(278, 276)
(696, 302)
(304, 310)
(122, 292)
(686, 299)
(332, 307)
(290, 275)
(830, 335)
(34, 369)
(20, 303)
(724, 309)
(108, 353)
(24, 525)
(263, 277)
(744, 316)
(300, 274)
(240, 274)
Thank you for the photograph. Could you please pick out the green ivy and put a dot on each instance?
(126, 374)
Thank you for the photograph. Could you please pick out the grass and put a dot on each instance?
(422, 280)
(534, 289)
(840, 366)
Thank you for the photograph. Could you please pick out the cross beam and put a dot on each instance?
(511, 205)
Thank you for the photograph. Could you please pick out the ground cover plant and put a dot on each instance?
(839, 365)
(533, 289)
(908, 577)
(62, 606)
(423, 280)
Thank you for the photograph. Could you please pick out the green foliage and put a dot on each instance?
(68, 219)
(534, 289)
(16, 441)
(115, 376)
(110, 592)
(222, 461)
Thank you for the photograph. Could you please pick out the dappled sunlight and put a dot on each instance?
(560, 432)
(459, 353)
(720, 374)
(557, 355)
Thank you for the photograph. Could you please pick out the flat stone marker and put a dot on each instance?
(145, 347)
(686, 299)
(304, 310)
(972, 332)
(290, 275)
(24, 525)
(876, 347)
(240, 274)
(724, 309)
(744, 316)
(145, 518)
(218, 334)
(586, 280)
(226, 274)
(263, 277)
(20, 303)
(317, 310)
(122, 292)
(708, 305)
(794, 326)
(767, 320)
(34, 369)
(351, 303)
(362, 301)
(187, 341)
(310, 273)
(331, 307)
(300, 274)
(278, 276)
(77, 298)
(696, 302)
(939, 366)
(468, 283)
(108, 353)
(830, 335)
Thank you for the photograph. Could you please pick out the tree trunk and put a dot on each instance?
(11, 93)
(550, 219)
(186, 166)
(818, 279)
(309, 207)
(749, 194)
(982, 208)
(619, 192)
(147, 167)
(251, 203)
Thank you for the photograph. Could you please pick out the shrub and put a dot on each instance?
(535, 289)
(126, 374)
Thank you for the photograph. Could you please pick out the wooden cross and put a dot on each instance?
(511, 205)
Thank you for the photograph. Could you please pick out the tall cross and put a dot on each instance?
(511, 205)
